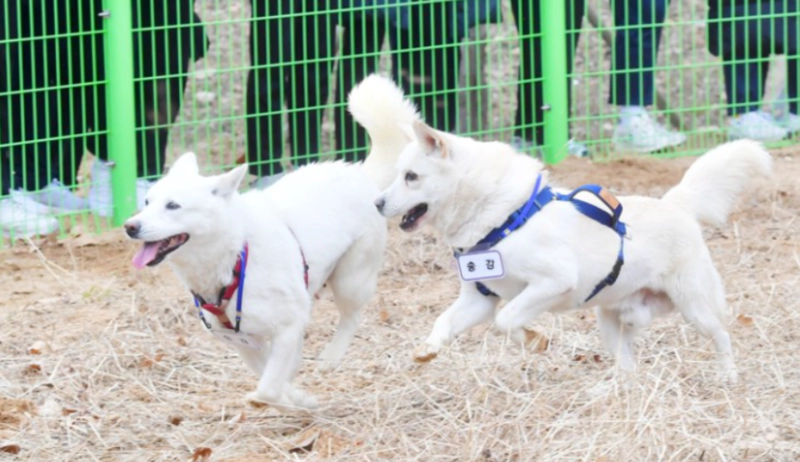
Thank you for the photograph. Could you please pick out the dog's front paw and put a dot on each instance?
(425, 353)
(302, 400)
(324, 365)
(291, 400)
(255, 400)
(329, 359)
(730, 376)
(535, 340)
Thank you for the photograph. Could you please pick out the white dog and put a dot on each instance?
(315, 226)
(560, 258)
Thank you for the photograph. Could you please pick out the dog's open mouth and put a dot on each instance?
(412, 217)
(152, 253)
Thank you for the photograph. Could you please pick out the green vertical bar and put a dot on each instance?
(122, 119)
(554, 80)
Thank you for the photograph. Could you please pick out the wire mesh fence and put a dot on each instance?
(97, 97)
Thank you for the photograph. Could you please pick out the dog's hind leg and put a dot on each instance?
(353, 283)
(349, 300)
(470, 309)
(701, 300)
(617, 337)
(702, 317)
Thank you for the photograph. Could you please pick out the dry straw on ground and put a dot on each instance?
(100, 362)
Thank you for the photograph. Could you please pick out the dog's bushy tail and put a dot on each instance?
(379, 105)
(712, 184)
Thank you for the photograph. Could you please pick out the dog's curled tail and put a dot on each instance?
(379, 105)
(712, 184)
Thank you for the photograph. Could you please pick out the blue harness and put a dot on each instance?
(544, 196)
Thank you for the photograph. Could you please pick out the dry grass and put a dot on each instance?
(100, 362)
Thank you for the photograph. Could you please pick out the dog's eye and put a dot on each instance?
(411, 176)
(173, 205)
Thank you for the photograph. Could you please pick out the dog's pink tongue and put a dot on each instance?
(145, 255)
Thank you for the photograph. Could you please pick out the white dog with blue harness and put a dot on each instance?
(541, 250)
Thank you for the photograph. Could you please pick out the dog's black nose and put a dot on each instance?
(132, 228)
(379, 204)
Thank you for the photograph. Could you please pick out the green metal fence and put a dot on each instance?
(98, 96)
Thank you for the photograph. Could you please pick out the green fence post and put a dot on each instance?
(554, 84)
(118, 33)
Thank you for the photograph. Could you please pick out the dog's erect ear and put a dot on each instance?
(185, 165)
(229, 182)
(430, 140)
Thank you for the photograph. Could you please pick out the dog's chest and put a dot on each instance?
(208, 286)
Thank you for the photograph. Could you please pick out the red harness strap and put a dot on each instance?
(225, 294)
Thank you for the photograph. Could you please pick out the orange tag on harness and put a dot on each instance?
(609, 198)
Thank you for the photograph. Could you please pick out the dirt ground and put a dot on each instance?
(99, 361)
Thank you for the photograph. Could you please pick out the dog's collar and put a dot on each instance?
(543, 196)
(225, 295)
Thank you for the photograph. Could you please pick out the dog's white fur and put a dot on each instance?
(325, 209)
(555, 260)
